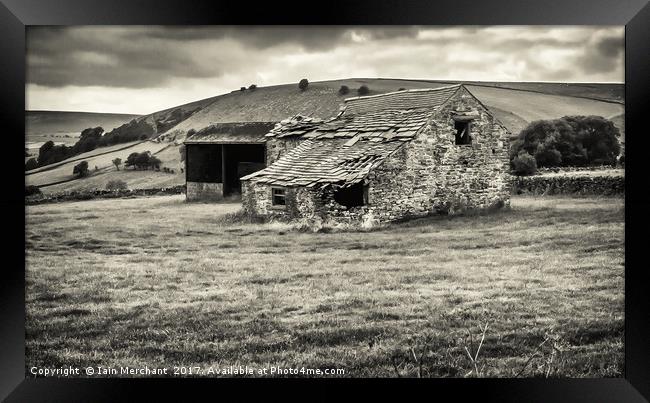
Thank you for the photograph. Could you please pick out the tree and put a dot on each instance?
(363, 90)
(49, 153)
(524, 164)
(130, 160)
(344, 90)
(569, 141)
(242, 88)
(252, 87)
(142, 160)
(89, 139)
(32, 190)
(31, 164)
(154, 162)
(81, 169)
(598, 136)
(117, 162)
(303, 84)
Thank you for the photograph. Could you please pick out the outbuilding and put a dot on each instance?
(384, 158)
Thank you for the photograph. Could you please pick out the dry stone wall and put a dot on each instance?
(204, 191)
(570, 185)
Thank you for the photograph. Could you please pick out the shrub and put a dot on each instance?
(252, 87)
(31, 164)
(81, 169)
(154, 162)
(524, 164)
(303, 84)
(569, 141)
(32, 190)
(363, 90)
(116, 184)
(401, 89)
(142, 160)
(242, 88)
(344, 90)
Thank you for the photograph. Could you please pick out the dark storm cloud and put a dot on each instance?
(143, 57)
(602, 55)
(59, 57)
(154, 56)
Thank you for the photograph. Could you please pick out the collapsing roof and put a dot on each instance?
(232, 133)
(344, 149)
(314, 163)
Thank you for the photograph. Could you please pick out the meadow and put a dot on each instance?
(534, 291)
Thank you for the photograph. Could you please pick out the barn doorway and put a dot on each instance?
(240, 160)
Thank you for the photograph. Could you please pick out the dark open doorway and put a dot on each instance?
(240, 160)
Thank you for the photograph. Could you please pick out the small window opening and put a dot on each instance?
(463, 133)
(278, 197)
(352, 196)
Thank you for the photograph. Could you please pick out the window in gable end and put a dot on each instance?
(463, 132)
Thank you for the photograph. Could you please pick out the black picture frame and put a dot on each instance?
(634, 14)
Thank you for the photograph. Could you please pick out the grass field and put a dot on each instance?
(159, 282)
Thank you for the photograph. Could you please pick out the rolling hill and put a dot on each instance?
(514, 104)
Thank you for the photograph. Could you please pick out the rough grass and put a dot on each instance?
(159, 282)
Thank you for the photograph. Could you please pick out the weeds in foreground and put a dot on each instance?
(425, 353)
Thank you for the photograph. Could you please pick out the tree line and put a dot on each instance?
(569, 141)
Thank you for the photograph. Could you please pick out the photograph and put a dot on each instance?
(325, 201)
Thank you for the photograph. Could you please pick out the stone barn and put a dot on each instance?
(384, 158)
(217, 156)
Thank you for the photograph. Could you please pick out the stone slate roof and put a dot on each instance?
(344, 149)
(429, 98)
(314, 163)
(229, 133)
(396, 115)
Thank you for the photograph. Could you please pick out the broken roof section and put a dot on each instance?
(232, 133)
(343, 150)
(395, 115)
(317, 163)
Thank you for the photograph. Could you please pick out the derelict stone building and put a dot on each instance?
(383, 158)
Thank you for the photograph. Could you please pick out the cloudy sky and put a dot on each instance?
(142, 69)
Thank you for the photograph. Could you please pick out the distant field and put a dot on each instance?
(103, 162)
(160, 282)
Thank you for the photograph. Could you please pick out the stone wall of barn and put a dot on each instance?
(275, 148)
(300, 202)
(204, 191)
(450, 177)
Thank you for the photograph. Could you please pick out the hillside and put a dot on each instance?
(514, 104)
